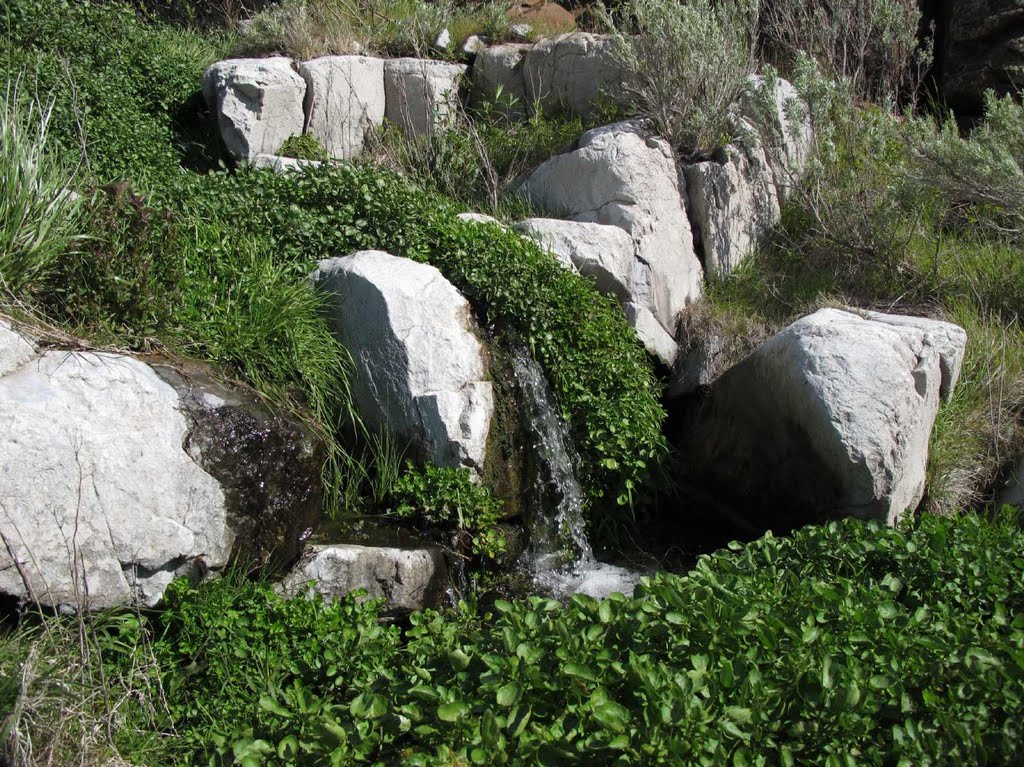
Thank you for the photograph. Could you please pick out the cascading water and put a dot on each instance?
(559, 556)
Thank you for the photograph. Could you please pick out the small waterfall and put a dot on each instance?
(559, 556)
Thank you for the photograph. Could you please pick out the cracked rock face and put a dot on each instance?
(421, 95)
(113, 480)
(421, 370)
(829, 418)
(572, 73)
(344, 100)
(406, 579)
(619, 176)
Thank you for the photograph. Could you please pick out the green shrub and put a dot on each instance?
(843, 644)
(446, 498)
(685, 65)
(122, 89)
(304, 147)
(38, 212)
(596, 366)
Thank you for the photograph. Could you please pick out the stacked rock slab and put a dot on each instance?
(498, 79)
(421, 370)
(621, 176)
(406, 579)
(117, 476)
(829, 418)
(572, 73)
(258, 102)
(344, 100)
(421, 95)
(733, 203)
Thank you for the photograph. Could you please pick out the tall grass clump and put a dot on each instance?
(685, 64)
(39, 213)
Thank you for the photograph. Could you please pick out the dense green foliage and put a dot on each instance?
(850, 644)
(596, 367)
(305, 147)
(447, 498)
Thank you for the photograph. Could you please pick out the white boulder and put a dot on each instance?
(573, 72)
(258, 102)
(406, 579)
(344, 100)
(733, 204)
(498, 79)
(421, 370)
(281, 165)
(784, 122)
(619, 176)
(830, 417)
(421, 95)
(655, 339)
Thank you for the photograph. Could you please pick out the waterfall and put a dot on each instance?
(559, 556)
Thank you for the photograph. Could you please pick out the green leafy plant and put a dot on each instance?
(304, 147)
(447, 498)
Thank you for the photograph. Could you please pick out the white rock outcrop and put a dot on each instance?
(620, 176)
(421, 370)
(784, 122)
(116, 476)
(573, 72)
(830, 417)
(258, 102)
(733, 203)
(406, 579)
(421, 95)
(281, 165)
(344, 100)
(498, 79)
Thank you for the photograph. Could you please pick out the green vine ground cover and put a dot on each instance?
(843, 645)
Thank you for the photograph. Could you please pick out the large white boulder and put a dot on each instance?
(406, 579)
(831, 417)
(574, 72)
(421, 95)
(498, 79)
(117, 476)
(620, 176)
(258, 103)
(784, 122)
(344, 100)
(421, 369)
(733, 203)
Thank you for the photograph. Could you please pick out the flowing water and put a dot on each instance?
(559, 556)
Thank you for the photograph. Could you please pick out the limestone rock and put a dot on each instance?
(733, 203)
(281, 165)
(407, 579)
(258, 103)
(498, 79)
(604, 253)
(344, 100)
(831, 417)
(117, 476)
(473, 46)
(573, 73)
(656, 340)
(784, 124)
(949, 340)
(421, 370)
(984, 49)
(619, 176)
(478, 218)
(421, 95)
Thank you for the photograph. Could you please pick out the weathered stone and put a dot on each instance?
(117, 476)
(784, 124)
(521, 31)
(344, 100)
(443, 41)
(733, 204)
(984, 49)
(619, 176)
(829, 418)
(604, 253)
(258, 103)
(407, 579)
(498, 79)
(656, 340)
(281, 165)
(478, 218)
(573, 73)
(421, 370)
(421, 95)
(474, 46)
(949, 340)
